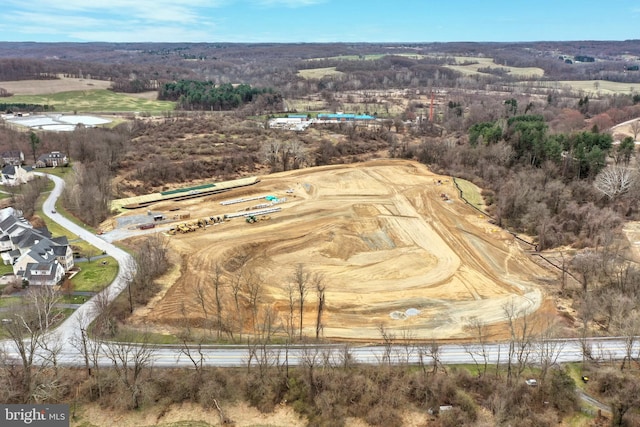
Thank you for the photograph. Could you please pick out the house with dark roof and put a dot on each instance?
(16, 175)
(42, 274)
(23, 242)
(12, 157)
(14, 226)
(36, 257)
(45, 252)
(52, 160)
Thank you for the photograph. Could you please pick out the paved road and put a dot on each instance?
(69, 328)
(227, 356)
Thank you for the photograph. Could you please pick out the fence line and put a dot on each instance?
(513, 233)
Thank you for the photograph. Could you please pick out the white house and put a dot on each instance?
(15, 175)
(42, 274)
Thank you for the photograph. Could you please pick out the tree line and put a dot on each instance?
(206, 95)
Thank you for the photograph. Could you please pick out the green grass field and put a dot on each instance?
(5, 269)
(471, 193)
(61, 172)
(7, 301)
(94, 101)
(95, 275)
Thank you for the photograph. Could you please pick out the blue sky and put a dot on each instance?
(317, 20)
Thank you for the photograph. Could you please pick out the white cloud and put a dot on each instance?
(144, 10)
(112, 20)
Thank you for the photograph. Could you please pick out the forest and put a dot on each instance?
(197, 95)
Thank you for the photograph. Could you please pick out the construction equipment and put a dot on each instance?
(251, 219)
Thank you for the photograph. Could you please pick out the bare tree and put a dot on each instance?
(319, 285)
(27, 198)
(521, 338)
(236, 288)
(629, 328)
(407, 347)
(217, 288)
(129, 359)
(387, 344)
(301, 279)
(586, 264)
(547, 347)
(201, 297)
(635, 129)
(291, 300)
(272, 151)
(194, 354)
(28, 326)
(253, 285)
(430, 351)
(478, 351)
(614, 181)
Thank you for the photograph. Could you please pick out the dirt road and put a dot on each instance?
(394, 243)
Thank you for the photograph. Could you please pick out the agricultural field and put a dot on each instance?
(95, 100)
(318, 73)
(394, 243)
(63, 84)
(594, 87)
(483, 62)
(370, 57)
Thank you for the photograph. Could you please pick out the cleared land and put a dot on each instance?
(595, 87)
(482, 62)
(392, 250)
(370, 57)
(318, 73)
(92, 100)
(63, 84)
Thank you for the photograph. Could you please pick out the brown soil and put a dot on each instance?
(63, 84)
(385, 241)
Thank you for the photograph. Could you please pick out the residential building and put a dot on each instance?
(13, 157)
(53, 159)
(16, 175)
(42, 274)
(35, 255)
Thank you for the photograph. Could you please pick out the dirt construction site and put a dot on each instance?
(395, 244)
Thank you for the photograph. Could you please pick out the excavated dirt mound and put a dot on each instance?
(394, 242)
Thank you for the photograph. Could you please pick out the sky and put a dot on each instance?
(307, 21)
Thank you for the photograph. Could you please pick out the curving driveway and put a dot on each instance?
(70, 327)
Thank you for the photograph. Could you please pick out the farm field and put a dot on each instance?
(370, 57)
(597, 87)
(318, 73)
(483, 62)
(393, 251)
(94, 100)
(63, 84)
